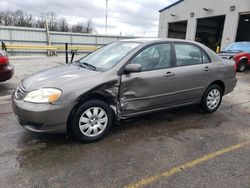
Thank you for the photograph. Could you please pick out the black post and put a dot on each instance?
(66, 51)
(4, 46)
(72, 55)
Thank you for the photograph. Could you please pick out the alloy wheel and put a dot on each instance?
(93, 121)
(213, 99)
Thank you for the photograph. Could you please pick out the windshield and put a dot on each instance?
(239, 46)
(108, 56)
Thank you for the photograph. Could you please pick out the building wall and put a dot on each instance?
(218, 7)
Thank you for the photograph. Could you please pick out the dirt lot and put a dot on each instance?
(175, 148)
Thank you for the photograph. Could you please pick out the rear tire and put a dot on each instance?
(241, 66)
(211, 99)
(91, 121)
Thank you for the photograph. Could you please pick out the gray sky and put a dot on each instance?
(138, 17)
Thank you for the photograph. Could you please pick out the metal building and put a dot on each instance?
(211, 22)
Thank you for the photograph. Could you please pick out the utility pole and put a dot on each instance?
(106, 17)
(48, 37)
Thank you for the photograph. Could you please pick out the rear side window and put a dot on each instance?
(205, 58)
(187, 54)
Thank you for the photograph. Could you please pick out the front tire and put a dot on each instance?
(211, 99)
(91, 121)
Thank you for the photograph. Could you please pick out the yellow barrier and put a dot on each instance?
(31, 47)
(86, 48)
(37, 47)
(217, 49)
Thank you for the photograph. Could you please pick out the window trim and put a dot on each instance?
(191, 44)
(208, 57)
(173, 64)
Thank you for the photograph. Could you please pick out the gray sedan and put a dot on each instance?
(119, 81)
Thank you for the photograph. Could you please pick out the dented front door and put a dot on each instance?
(146, 91)
(151, 88)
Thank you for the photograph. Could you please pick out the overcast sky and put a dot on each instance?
(131, 17)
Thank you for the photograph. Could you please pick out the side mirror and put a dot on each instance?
(130, 68)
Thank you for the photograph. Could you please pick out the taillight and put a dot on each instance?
(4, 60)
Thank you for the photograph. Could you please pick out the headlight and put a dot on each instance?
(44, 95)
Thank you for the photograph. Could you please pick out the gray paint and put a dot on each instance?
(222, 7)
(128, 94)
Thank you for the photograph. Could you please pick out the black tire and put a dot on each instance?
(241, 66)
(74, 121)
(204, 101)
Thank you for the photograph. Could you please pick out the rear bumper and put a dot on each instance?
(230, 85)
(6, 72)
(42, 117)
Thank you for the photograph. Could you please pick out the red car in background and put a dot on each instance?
(240, 53)
(6, 70)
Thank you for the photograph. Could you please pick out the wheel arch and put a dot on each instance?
(219, 83)
(88, 97)
(244, 58)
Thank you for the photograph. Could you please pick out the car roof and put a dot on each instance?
(152, 40)
(145, 41)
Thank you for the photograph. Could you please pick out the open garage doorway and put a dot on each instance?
(177, 30)
(243, 33)
(209, 31)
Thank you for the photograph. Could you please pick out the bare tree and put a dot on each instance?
(52, 21)
(78, 28)
(7, 18)
(23, 19)
(86, 27)
(90, 26)
(1, 18)
(63, 25)
(40, 23)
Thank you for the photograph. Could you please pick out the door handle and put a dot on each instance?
(167, 74)
(206, 68)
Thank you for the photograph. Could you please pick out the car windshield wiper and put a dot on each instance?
(84, 64)
(88, 65)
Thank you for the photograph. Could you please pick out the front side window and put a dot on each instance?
(108, 56)
(154, 57)
(187, 54)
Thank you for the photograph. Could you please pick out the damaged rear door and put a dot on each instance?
(151, 88)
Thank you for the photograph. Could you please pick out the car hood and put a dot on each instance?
(58, 76)
(228, 55)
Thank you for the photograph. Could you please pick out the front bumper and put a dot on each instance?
(6, 72)
(44, 117)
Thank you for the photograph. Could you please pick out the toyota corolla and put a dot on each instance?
(119, 81)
